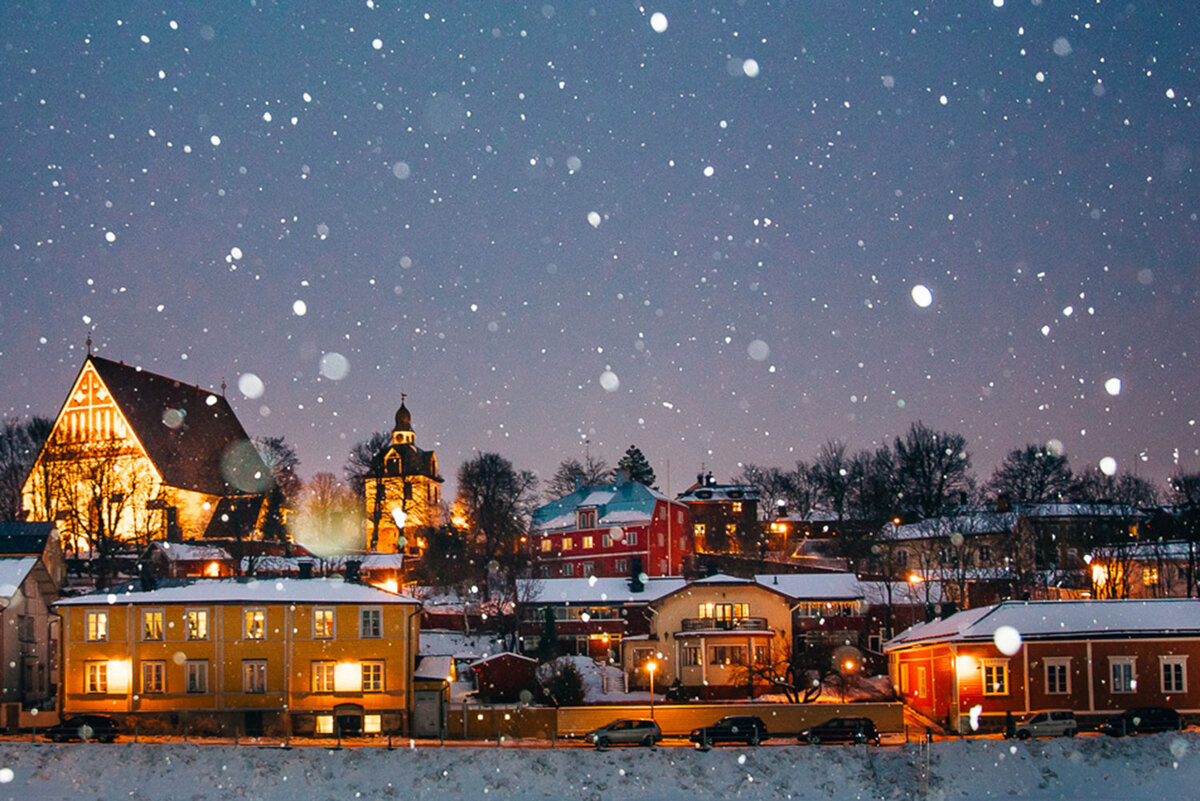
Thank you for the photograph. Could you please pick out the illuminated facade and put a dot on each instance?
(136, 456)
(407, 496)
(274, 656)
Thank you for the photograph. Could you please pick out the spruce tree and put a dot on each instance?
(636, 466)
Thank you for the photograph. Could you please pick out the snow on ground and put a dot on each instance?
(1151, 767)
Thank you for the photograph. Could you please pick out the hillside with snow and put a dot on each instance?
(1154, 767)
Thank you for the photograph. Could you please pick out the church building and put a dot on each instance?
(404, 495)
(135, 456)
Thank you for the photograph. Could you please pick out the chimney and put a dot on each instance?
(352, 571)
(700, 478)
(623, 476)
(305, 569)
(708, 479)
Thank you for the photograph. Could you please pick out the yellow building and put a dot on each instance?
(711, 634)
(407, 496)
(136, 456)
(270, 656)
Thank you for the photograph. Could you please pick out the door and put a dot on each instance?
(427, 713)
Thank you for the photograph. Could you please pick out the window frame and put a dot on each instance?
(372, 675)
(323, 676)
(1122, 687)
(326, 630)
(1052, 665)
(731, 659)
(375, 630)
(196, 620)
(159, 617)
(96, 625)
(95, 677)
(195, 674)
(249, 615)
(999, 669)
(154, 677)
(254, 676)
(1166, 661)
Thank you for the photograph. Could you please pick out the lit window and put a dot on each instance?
(762, 655)
(324, 724)
(737, 507)
(1123, 670)
(372, 677)
(727, 655)
(372, 724)
(196, 676)
(547, 545)
(255, 625)
(691, 655)
(323, 624)
(567, 544)
(1174, 673)
(995, 677)
(254, 675)
(152, 624)
(97, 626)
(589, 542)
(370, 624)
(197, 624)
(153, 676)
(1150, 576)
(96, 677)
(1058, 676)
(322, 677)
(698, 530)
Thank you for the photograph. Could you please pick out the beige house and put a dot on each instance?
(28, 632)
(712, 635)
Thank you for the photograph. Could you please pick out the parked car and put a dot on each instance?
(1143, 720)
(101, 728)
(732, 729)
(626, 731)
(842, 730)
(1047, 723)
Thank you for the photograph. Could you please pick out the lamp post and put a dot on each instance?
(651, 666)
(847, 669)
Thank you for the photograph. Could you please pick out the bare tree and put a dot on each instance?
(1184, 496)
(20, 442)
(588, 473)
(366, 462)
(1033, 474)
(1095, 486)
(831, 478)
(281, 460)
(933, 468)
(329, 519)
(497, 499)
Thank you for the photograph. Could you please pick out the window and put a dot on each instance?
(622, 566)
(567, 544)
(96, 680)
(985, 554)
(727, 655)
(255, 624)
(372, 724)
(904, 678)
(322, 677)
(1174, 673)
(736, 507)
(568, 570)
(372, 677)
(698, 531)
(197, 624)
(97, 626)
(254, 675)
(1058, 676)
(1150, 576)
(589, 542)
(606, 540)
(153, 676)
(922, 678)
(587, 569)
(587, 518)
(196, 675)
(152, 624)
(762, 655)
(324, 724)
(1123, 670)
(631, 538)
(547, 545)
(370, 626)
(323, 624)
(691, 655)
(995, 677)
(902, 557)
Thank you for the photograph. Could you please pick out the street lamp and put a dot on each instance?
(847, 669)
(651, 666)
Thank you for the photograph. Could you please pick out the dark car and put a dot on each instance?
(1143, 720)
(627, 731)
(842, 730)
(101, 728)
(732, 729)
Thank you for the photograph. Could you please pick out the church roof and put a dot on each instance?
(413, 461)
(403, 418)
(186, 430)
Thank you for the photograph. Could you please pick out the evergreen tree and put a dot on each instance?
(636, 466)
(547, 649)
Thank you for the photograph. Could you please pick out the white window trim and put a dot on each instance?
(151, 667)
(361, 634)
(1056, 661)
(252, 669)
(162, 618)
(1113, 661)
(333, 618)
(1172, 659)
(996, 663)
(200, 668)
(187, 613)
(98, 614)
(248, 610)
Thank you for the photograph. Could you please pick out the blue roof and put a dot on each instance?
(615, 504)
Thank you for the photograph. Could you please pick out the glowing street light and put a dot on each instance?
(651, 666)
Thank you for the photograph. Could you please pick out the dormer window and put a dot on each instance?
(586, 518)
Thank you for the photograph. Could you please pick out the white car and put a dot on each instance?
(1048, 723)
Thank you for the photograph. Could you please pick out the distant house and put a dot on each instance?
(1095, 657)
(187, 560)
(503, 676)
(724, 516)
(136, 456)
(611, 530)
(305, 655)
(28, 631)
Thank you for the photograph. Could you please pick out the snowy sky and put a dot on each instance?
(705, 232)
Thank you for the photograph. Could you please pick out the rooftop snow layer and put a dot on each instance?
(284, 590)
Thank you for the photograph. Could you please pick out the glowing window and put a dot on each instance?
(322, 677)
(96, 677)
(255, 624)
(97, 626)
(197, 624)
(152, 624)
(323, 624)
(372, 677)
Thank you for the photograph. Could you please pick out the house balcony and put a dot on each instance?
(714, 624)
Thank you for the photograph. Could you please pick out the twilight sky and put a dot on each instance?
(705, 234)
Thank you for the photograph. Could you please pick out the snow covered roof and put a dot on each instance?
(973, 523)
(503, 654)
(1060, 620)
(1079, 510)
(284, 590)
(184, 552)
(434, 668)
(12, 575)
(623, 502)
(823, 586)
(709, 493)
(594, 590)
(902, 593)
(458, 644)
(383, 561)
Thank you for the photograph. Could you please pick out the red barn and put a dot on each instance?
(502, 677)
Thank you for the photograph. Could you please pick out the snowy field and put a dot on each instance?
(1154, 767)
